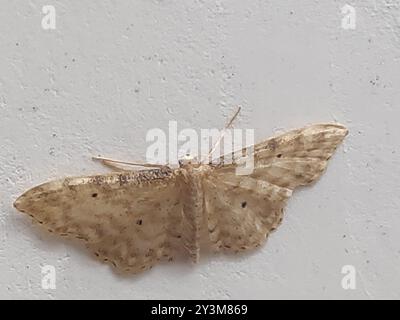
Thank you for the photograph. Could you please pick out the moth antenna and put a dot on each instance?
(227, 126)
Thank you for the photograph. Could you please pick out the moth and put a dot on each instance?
(132, 219)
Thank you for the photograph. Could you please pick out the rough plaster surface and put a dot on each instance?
(113, 70)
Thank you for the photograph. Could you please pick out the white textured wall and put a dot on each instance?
(113, 70)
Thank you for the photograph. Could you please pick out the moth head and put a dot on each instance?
(187, 160)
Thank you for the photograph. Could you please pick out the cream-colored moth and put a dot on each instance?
(132, 219)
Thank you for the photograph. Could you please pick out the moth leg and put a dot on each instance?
(112, 166)
(111, 163)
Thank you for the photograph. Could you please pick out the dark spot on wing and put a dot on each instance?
(123, 179)
(244, 204)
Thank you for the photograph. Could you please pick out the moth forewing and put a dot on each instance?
(243, 210)
(130, 220)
